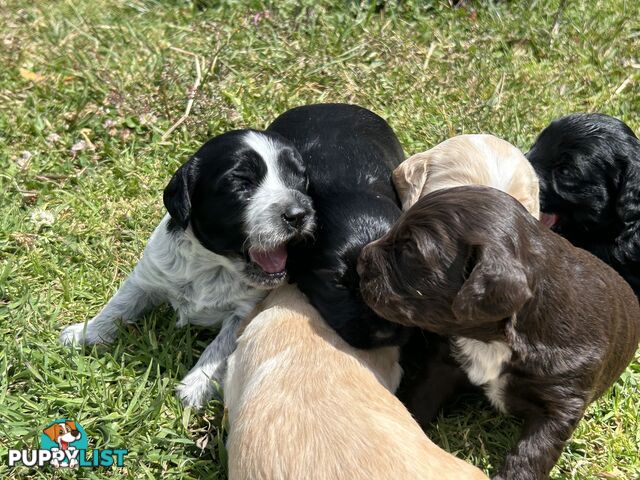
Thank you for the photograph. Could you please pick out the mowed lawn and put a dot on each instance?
(88, 93)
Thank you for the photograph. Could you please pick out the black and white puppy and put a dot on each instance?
(349, 153)
(234, 209)
(589, 170)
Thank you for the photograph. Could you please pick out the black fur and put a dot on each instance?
(431, 377)
(589, 170)
(349, 154)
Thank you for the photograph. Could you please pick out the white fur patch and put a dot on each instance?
(483, 363)
(263, 214)
(204, 288)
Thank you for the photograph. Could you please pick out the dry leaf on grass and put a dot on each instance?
(31, 76)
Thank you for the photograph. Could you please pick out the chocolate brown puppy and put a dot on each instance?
(551, 326)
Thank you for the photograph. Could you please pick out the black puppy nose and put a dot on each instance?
(294, 216)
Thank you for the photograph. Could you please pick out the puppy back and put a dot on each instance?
(610, 307)
(304, 404)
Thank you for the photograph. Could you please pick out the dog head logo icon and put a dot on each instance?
(64, 435)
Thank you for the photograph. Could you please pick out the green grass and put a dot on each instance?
(116, 75)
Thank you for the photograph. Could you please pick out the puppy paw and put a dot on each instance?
(83, 334)
(196, 389)
(73, 335)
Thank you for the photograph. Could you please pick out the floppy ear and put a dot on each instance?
(177, 194)
(628, 210)
(51, 432)
(497, 287)
(532, 201)
(410, 177)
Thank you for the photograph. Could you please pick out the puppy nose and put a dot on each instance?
(294, 216)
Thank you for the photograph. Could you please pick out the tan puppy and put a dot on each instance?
(303, 404)
(469, 160)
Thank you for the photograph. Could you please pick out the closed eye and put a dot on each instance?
(244, 177)
(405, 252)
(249, 171)
(289, 162)
(292, 171)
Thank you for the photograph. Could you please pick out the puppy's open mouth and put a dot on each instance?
(266, 268)
(271, 262)
(551, 220)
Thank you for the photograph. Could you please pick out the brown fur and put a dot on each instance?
(458, 161)
(468, 160)
(471, 262)
(302, 403)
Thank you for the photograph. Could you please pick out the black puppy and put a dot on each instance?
(542, 327)
(589, 170)
(349, 154)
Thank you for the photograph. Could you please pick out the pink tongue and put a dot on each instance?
(271, 261)
(549, 219)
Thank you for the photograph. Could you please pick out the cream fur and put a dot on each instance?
(469, 160)
(303, 404)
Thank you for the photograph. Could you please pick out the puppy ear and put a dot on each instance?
(628, 207)
(532, 202)
(177, 194)
(410, 177)
(497, 287)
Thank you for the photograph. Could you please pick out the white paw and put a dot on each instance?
(196, 389)
(73, 334)
(81, 333)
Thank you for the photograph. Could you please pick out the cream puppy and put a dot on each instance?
(469, 160)
(303, 404)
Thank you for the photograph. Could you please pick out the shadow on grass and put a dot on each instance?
(471, 428)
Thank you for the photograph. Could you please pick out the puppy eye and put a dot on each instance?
(563, 171)
(242, 176)
(407, 251)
